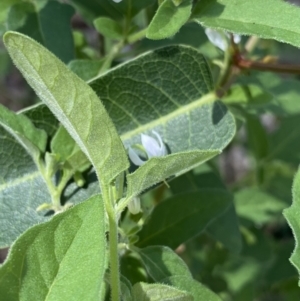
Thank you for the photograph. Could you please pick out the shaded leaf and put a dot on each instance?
(247, 95)
(108, 28)
(19, 126)
(161, 262)
(257, 206)
(42, 118)
(59, 260)
(86, 69)
(186, 215)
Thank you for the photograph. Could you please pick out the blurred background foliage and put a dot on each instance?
(257, 167)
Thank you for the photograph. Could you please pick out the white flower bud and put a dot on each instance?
(134, 206)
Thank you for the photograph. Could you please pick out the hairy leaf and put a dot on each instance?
(159, 169)
(195, 288)
(158, 292)
(270, 19)
(168, 19)
(73, 102)
(63, 259)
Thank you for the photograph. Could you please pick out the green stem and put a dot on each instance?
(107, 194)
(137, 36)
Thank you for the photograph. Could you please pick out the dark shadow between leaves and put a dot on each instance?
(208, 8)
(219, 112)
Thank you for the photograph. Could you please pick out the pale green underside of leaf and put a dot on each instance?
(160, 168)
(269, 19)
(168, 19)
(62, 259)
(166, 91)
(158, 292)
(292, 216)
(187, 215)
(75, 105)
(108, 28)
(22, 190)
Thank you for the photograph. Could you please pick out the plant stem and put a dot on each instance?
(243, 63)
(137, 36)
(113, 242)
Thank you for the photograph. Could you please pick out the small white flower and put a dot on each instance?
(134, 206)
(221, 40)
(153, 148)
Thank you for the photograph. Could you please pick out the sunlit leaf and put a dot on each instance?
(73, 102)
(61, 259)
(270, 19)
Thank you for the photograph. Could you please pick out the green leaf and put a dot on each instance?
(225, 228)
(158, 292)
(166, 91)
(252, 18)
(195, 288)
(42, 118)
(168, 19)
(108, 28)
(160, 168)
(247, 95)
(73, 102)
(161, 262)
(63, 259)
(53, 32)
(284, 143)
(18, 125)
(108, 8)
(291, 214)
(22, 190)
(86, 69)
(67, 151)
(257, 206)
(55, 22)
(186, 215)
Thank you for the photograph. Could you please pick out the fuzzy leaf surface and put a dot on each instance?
(22, 190)
(195, 288)
(169, 18)
(62, 259)
(158, 292)
(160, 168)
(269, 19)
(73, 102)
